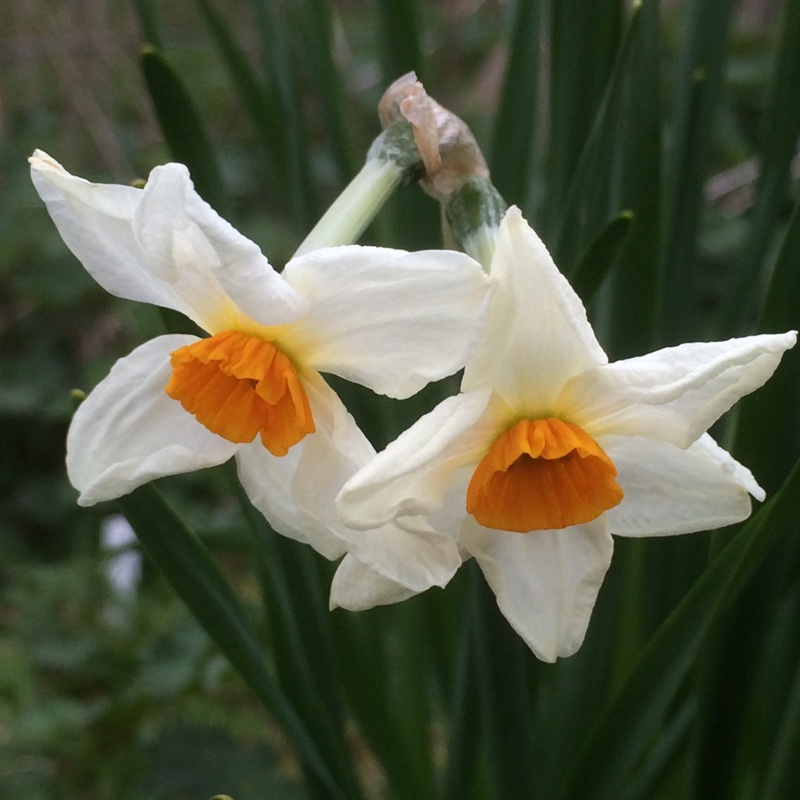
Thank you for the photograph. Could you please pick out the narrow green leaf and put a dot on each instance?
(147, 12)
(282, 74)
(383, 678)
(699, 88)
(514, 130)
(464, 747)
(600, 256)
(364, 666)
(656, 775)
(767, 439)
(587, 205)
(767, 434)
(636, 185)
(769, 717)
(183, 129)
(324, 75)
(400, 50)
(260, 101)
(782, 129)
(782, 775)
(198, 581)
(409, 699)
(502, 655)
(300, 636)
(578, 30)
(631, 719)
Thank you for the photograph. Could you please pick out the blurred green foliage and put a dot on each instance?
(107, 695)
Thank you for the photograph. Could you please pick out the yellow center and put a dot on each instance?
(239, 386)
(542, 474)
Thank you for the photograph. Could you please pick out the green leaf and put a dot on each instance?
(767, 436)
(587, 204)
(634, 716)
(501, 659)
(183, 129)
(768, 704)
(636, 185)
(768, 441)
(282, 74)
(464, 747)
(147, 12)
(577, 94)
(699, 89)
(782, 128)
(512, 141)
(600, 256)
(400, 50)
(198, 581)
(300, 636)
(325, 77)
(260, 101)
(386, 682)
(782, 773)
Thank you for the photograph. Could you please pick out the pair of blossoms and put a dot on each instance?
(545, 453)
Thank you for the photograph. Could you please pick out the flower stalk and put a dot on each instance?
(392, 160)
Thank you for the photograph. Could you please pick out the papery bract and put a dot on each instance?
(549, 450)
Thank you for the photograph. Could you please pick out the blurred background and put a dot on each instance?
(108, 688)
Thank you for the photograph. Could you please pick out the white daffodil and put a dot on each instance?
(387, 319)
(549, 450)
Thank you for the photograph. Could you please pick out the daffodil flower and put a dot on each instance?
(549, 450)
(387, 319)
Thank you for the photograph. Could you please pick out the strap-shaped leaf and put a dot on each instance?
(295, 604)
(587, 204)
(512, 142)
(637, 711)
(781, 131)
(767, 430)
(699, 90)
(183, 128)
(198, 581)
(600, 256)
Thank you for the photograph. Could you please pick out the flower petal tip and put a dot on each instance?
(42, 162)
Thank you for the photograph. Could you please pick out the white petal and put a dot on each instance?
(670, 491)
(537, 335)
(357, 588)
(413, 555)
(409, 552)
(129, 431)
(297, 492)
(223, 276)
(268, 481)
(675, 394)
(391, 320)
(165, 245)
(546, 582)
(411, 476)
(96, 223)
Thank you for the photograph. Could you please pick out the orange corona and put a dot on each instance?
(240, 386)
(542, 474)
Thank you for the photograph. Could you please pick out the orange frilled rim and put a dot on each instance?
(542, 474)
(239, 386)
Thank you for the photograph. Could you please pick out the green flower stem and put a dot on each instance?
(474, 212)
(392, 160)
